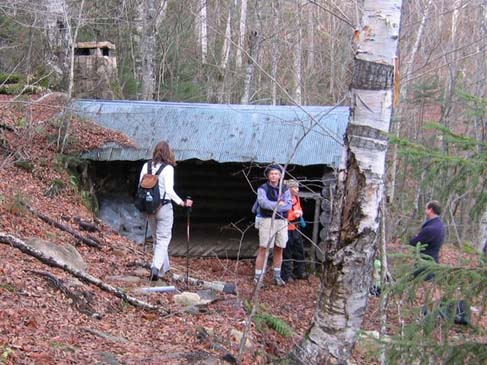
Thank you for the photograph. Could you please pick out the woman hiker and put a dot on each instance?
(161, 222)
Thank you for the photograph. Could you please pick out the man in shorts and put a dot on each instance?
(274, 206)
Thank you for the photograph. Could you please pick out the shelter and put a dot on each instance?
(221, 151)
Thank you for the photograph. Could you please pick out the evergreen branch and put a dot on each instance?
(277, 324)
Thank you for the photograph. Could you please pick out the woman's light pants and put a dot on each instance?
(161, 227)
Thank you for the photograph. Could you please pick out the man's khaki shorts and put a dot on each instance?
(278, 235)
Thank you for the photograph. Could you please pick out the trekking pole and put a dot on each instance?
(188, 215)
(145, 234)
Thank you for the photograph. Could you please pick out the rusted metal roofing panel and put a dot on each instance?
(221, 132)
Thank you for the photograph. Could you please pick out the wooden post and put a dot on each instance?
(316, 226)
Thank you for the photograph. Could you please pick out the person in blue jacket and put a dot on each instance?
(274, 204)
(432, 234)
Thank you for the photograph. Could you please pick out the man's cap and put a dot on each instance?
(272, 167)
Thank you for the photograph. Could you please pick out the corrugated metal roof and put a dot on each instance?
(221, 132)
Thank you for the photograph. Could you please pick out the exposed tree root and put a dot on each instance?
(81, 301)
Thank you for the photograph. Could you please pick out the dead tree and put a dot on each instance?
(351, 244)
(87, 278)
(86, 240)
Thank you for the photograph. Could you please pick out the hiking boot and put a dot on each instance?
(154, 274)
(278, 281)
(256, 279)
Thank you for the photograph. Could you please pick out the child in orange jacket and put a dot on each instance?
(293, 266)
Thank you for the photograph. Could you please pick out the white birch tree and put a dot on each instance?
(203, 31)
(227, 41)
(242, 33)
(352, 241)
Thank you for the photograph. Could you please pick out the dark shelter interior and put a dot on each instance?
(221, 221)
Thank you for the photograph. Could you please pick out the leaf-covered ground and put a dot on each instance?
(41, 325)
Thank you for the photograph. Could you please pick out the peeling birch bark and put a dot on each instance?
(352, 241)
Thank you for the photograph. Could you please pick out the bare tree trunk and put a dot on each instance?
(298, 56)
(352, 242)
(242, 33)
(72, 41)
(333, 83)
(250, 70)
(409, 67)
(161, 12)
(227, 41)
(275, 49)
(57, 37)
(225, 94)
(254, 39)
(407, 74)
(137, 39)
(148, 50)
(480, 121)
(203, 23)
(450, 59)
(311, 38)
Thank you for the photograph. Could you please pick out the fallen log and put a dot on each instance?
(88, 241)
(86, 226)
(87, 278)
(226, 288)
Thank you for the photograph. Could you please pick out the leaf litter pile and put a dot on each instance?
(42, 324)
